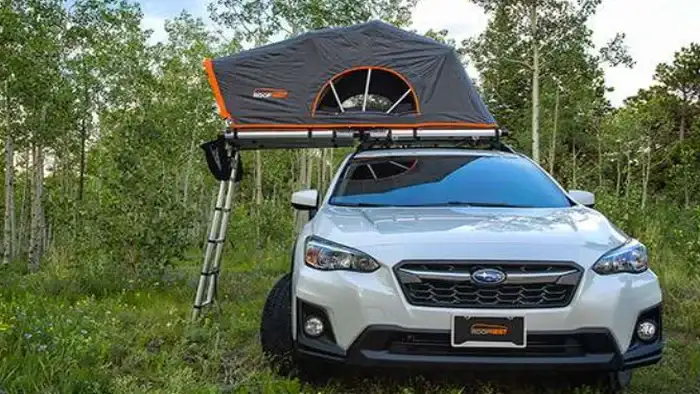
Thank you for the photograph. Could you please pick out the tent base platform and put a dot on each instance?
(299, 139)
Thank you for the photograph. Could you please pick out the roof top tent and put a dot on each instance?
(362, 77)
(334, 87)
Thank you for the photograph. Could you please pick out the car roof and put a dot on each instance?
(431, 152)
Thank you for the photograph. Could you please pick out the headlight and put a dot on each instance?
(631, 257)
(327, 256)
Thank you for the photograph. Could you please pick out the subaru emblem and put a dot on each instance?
(488, 276)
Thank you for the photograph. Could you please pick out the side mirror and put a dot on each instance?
(305, 200)
(583, 197)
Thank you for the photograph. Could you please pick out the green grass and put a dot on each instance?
(88, 327)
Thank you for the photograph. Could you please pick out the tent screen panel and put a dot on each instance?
(386, 91)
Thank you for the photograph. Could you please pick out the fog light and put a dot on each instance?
(646, 330)
(313, 326)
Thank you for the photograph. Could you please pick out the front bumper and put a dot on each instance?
(390, 346)
(370, 322)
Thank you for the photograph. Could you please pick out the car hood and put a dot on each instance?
(576, 234)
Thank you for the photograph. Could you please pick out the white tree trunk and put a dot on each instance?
(20, 242)
(573, 164)
(681, 136)
(629, 175)
(258, 178)
(43, 244)
(553, 146)
(535, 86)
(310, 170)
(9, 228)
(36, 232)
(303, 184)
(319, 174)
(600, 157)
(83, 164)
(645, 176)
(324, 169)
(299, 216)
(618, 183)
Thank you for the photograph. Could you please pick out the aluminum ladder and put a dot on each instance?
(211, 266)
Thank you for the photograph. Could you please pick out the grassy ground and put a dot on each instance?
(84, 327)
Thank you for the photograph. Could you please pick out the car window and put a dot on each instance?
(470, 180)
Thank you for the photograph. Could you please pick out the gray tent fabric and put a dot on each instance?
(286, 85)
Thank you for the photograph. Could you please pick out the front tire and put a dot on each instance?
(276, 325)
(618, 381)
(276, 336)
(613, 382)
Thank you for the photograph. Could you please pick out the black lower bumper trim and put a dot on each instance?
(641, 356)
(305, 351)
(384, 358)
(391, 346)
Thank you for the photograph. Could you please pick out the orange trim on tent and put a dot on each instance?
(459, 125)
(209, 67)
(325, 86)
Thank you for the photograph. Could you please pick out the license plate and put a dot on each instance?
(487, 331)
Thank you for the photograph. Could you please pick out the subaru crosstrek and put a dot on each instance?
(465, 258)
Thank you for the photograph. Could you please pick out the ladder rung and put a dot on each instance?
(210, 273)
(216, 241)
(203, 305)
(222, 209)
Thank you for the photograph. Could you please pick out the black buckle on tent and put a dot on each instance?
(218, 154)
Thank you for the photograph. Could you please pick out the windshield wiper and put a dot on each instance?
(441, 204)
(358, 204)
(471, 204)
(485, 204)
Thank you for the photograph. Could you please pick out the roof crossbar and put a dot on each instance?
(291, 139)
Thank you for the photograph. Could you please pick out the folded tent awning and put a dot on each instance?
(371, 75)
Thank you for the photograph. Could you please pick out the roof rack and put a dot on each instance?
(367, 138)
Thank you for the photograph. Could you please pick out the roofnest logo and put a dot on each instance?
(270, 93)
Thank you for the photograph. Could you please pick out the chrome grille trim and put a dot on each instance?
(511, 278)
(449, 284)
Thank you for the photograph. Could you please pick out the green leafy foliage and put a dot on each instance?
(534, 51)
(258, 20)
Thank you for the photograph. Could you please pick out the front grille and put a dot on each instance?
(447, 294)
(538, 345)
(527, 285)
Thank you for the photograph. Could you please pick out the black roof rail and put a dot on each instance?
(367, 138)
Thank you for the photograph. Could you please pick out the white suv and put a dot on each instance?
(468, 258)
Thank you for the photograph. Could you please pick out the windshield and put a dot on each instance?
(469, 180)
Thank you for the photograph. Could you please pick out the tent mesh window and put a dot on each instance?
(367, 89)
